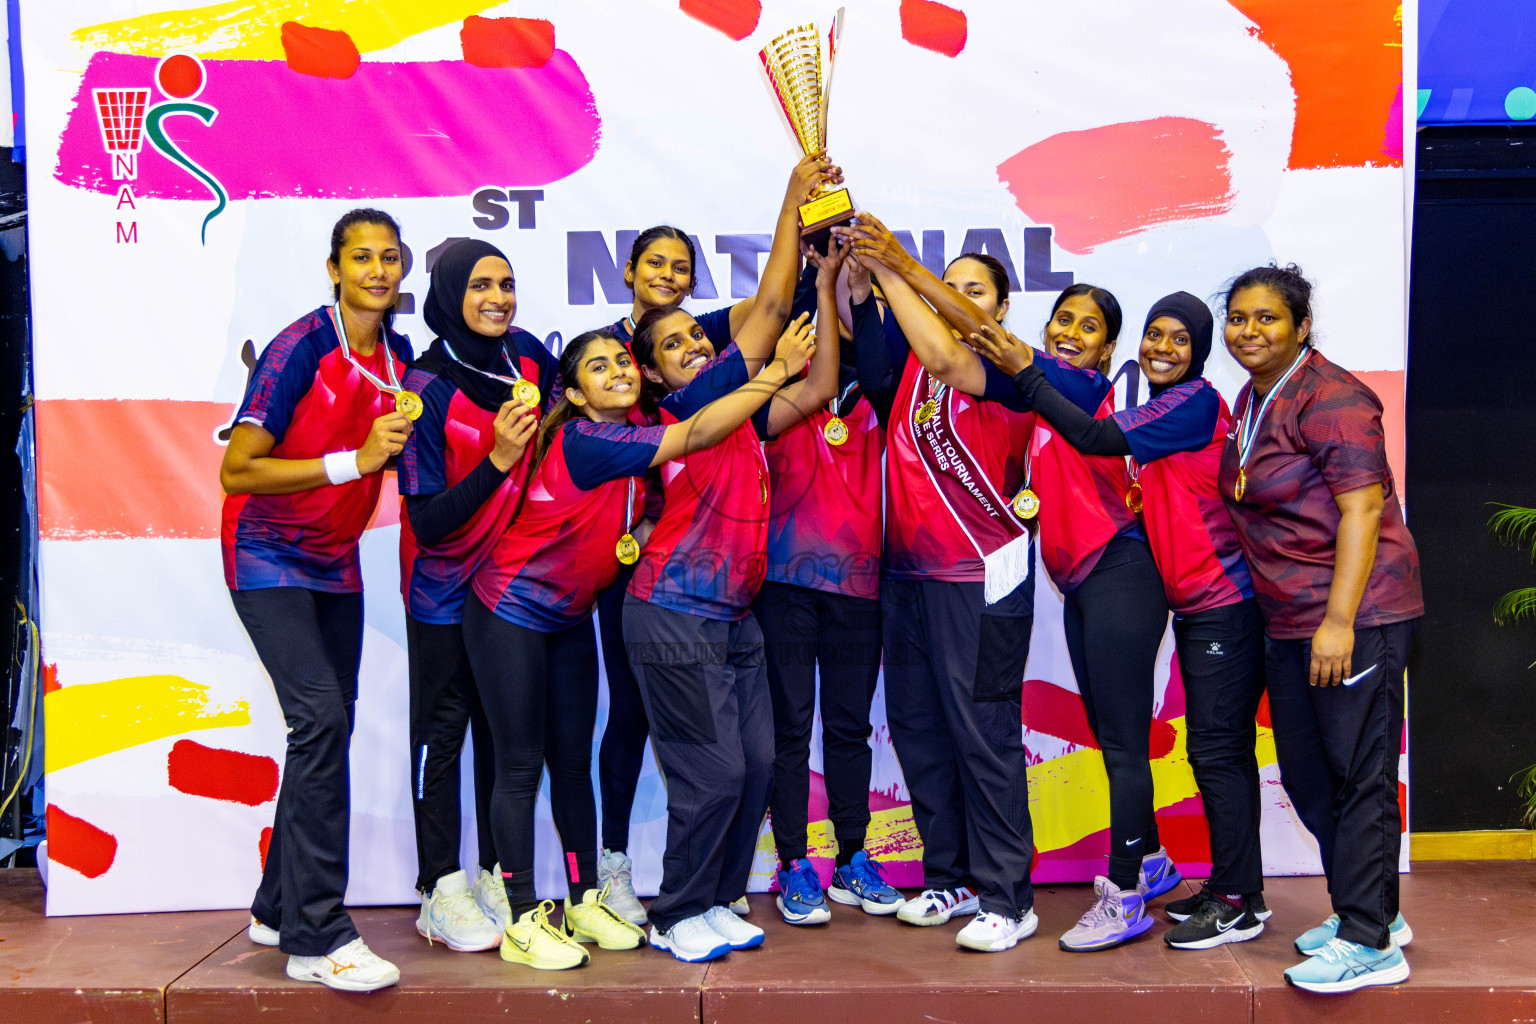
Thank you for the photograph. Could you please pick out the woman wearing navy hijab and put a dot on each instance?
(1175, 441)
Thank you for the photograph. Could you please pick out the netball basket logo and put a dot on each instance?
(126, 119)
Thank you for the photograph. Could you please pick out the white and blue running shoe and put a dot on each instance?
(800, 899)
(1343, 966)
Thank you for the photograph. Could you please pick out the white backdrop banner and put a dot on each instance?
(186, 166)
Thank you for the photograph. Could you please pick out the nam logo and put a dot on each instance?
(126, 117)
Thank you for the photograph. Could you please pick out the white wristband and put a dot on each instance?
(341, 467)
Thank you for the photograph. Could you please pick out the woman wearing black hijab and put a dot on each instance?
(1175, 441)
(482, 384)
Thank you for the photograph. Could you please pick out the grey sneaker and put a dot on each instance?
(1116, 916)
(614, 871)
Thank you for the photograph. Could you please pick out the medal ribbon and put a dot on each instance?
(392, 387)
(513, 381)
(1248, 426)
(837, 403)
(629, 508)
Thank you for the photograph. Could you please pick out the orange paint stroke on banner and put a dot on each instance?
(1389, 386)
(1345, 74)
(149, 468)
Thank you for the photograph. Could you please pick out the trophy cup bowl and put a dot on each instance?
(801, 76)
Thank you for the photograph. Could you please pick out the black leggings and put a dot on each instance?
(1114, 623)
(539, 691)
(622, 753)
(443, 702)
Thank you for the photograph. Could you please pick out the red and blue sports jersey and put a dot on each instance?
(1177, 440)
(545, 572)
(707, 554)
(310, 397)
(1082, 497)
(1322, 436)
(452, 437)
(824, 516)
(923, 539)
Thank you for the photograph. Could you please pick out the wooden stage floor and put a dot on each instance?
(1473, 959)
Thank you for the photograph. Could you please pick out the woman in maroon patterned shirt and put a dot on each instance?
(1335, 571)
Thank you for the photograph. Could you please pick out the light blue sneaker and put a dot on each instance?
(862, 884)
(1343, 966)
(1158, 875)
(1313, 940)
(800, 899)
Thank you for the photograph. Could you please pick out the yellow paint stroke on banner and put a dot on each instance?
(92, 719)
(242, 30)
(1068, 801)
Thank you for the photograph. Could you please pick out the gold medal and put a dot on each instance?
(1133, 498)
(1026, 504)
(408, 404)
(763, 480)
(836, 431)
(1242, 485)
(628, 549)
(926, 410)
(527, 392)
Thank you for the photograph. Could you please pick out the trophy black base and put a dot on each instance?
(819, 216)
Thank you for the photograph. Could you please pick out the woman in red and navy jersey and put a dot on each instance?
(1336, 574)
(694, 645)
(1096, 554)
(820, 606)
(461, 475)
(1114, 613)
(1175, 441)
(660, 274)
(303, 472)
(529, 630)
(957, 597)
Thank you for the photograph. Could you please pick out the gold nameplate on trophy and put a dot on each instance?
(801, 74)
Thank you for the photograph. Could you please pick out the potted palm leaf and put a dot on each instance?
(1517, 526)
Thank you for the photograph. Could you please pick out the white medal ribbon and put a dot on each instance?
(1248, 426)
(837, 403)
(391, 387)
(513, 381)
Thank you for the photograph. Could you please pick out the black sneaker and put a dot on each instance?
(1214, 922)
(1179, 910)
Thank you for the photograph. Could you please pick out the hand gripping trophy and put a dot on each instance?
(801, 74)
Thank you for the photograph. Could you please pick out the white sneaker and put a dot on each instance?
(351, 968)
(261, 934)
(614, 871)
(993, 933)
(691, 940)
(739, 907)
(451, 915)
(732, 928)
(491, 897)
(937, 906)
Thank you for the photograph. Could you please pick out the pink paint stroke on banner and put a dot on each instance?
(390, 130)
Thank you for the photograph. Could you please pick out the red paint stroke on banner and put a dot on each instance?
(1105, 183)
(320, 52)
(239, 778)
(164, 479)
(1184, 832)
(1263, 716)
(50, 677)
(1402, 805)
(263, 844)
(391, 130)
(736, 18)
(1389, 386)
(1344, 76)
(507, 42)
(76, 843)
(933, 26)
(1057, 711)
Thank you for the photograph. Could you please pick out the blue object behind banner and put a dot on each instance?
(1477, 61)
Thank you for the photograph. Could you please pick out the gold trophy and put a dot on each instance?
(801, 75)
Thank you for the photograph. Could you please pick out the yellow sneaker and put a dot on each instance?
(593, 920)
(532, 941)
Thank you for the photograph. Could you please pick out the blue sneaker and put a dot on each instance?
(800, 899)
(1314, 940)
(1158, 875)
(1343, 966)
(862, 884)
